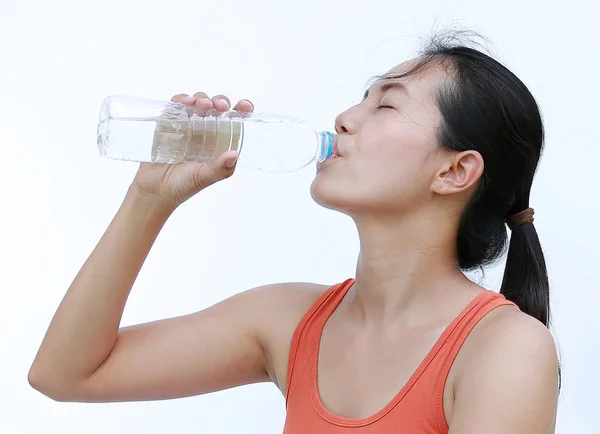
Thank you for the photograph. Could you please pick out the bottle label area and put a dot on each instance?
(199, 139)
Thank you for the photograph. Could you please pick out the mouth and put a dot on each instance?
(328, 161)
(335, 154)
(336, 151)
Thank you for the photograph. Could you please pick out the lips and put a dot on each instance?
(336, 150)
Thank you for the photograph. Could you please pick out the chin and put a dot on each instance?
(355, 199)
(330, 193)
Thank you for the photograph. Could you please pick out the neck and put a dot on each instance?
(404, 267)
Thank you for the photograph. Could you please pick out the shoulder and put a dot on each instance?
(283, 302)
(508, 334)
(278, 309)
(278, 298)
(509, 366)
(286, 303)
(291, 291)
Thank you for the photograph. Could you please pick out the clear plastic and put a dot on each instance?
(142, 130)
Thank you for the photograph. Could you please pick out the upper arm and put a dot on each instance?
(510, 383)
(217, 348)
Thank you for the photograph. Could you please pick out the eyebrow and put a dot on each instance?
(386, 86)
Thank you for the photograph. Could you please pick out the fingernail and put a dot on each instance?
(230, 162)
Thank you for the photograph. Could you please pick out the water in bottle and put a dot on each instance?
(142, 130)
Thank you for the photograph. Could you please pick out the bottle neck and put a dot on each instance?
(324, 146)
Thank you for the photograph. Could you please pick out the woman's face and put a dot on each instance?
(389, 156)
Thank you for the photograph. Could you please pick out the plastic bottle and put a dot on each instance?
(143, 130)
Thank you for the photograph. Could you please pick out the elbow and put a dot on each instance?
(48, 386)
(36, 379)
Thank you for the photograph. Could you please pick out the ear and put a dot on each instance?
(460, 174)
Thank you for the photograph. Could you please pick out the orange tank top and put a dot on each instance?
(416, 409)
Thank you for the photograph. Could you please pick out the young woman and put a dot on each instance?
(432, 165)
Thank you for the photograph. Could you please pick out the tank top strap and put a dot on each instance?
(456, 335)
(306, 336)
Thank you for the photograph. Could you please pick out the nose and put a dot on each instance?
(345, 122)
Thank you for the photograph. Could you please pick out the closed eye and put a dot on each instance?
(385, 107)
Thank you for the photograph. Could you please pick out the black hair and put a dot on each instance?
(486, 108)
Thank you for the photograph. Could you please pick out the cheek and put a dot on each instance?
(395, 136)
(394, 169)
(399, 156)
(388, 171)
(388, 175)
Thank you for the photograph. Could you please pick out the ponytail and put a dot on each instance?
(486, 108)
(525, 281)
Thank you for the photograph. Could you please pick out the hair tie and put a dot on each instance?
(515, 220)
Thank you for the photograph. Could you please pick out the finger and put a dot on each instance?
(215, 170)
(184, 98)
(221, 103)
(229, 159)
(244, 105)
(203, 102)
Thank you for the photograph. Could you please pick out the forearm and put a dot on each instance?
(85, 327)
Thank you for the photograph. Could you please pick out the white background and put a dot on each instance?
(312, 59)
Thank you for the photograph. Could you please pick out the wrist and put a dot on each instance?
(149, 203)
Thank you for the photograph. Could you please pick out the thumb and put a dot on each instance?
(216, 169)
(229, 159)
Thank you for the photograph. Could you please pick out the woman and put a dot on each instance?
(432, 164)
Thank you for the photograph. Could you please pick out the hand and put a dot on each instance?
(175, 183)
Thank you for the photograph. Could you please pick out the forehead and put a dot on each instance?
(421, 82)
(404, 67)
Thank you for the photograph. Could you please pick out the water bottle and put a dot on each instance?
(142, 130)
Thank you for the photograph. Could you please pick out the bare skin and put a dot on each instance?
(390, 318)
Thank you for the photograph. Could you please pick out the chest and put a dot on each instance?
(359, 375)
